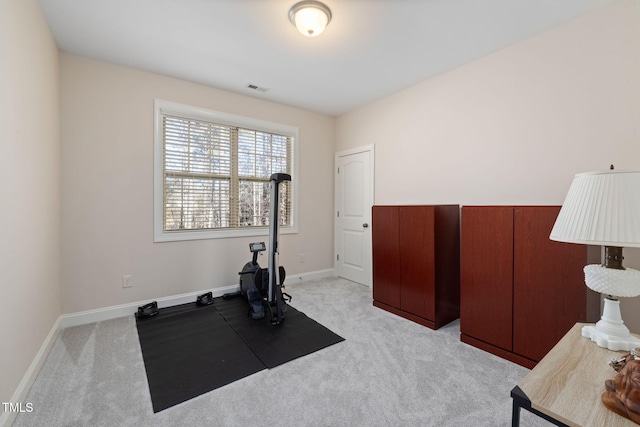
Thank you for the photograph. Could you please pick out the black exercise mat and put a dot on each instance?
(190, 350)
(297, 335)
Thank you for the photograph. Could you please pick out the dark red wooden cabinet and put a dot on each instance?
(486, 275)
(520, 291)
(416, 271)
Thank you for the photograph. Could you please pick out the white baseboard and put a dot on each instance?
(106, 313)
(319, 274)
(20, 395)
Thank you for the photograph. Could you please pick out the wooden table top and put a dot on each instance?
(568, 382)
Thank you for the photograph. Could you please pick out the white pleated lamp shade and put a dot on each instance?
(601, 208)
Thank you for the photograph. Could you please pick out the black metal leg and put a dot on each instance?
(520, 400)
(515, 414)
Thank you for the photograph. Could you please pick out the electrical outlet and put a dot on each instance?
(127, 281)
(301, 258)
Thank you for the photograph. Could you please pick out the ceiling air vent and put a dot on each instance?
(258, 88)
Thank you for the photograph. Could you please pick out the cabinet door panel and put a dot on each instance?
(486, 274)
(386, 256)
(417, 273)
(549, 289)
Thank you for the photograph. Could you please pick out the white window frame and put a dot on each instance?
(162, 107)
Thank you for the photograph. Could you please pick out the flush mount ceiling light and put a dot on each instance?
(310, 17)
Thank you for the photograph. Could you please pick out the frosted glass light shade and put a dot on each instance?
(601, 208)
(310, 17)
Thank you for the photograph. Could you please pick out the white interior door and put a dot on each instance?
(354, 198)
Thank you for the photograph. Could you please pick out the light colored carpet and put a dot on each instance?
(388, 372)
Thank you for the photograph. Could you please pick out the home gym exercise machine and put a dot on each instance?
(263, 286)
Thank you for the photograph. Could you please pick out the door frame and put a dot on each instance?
(356, 150)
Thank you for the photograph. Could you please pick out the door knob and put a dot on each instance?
(365, 225)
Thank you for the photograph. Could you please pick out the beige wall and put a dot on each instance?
(107, 189)
(29, 172)
(515, 126)
(511, 128)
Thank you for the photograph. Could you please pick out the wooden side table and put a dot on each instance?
(566, 386)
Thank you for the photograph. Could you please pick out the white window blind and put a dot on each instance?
(215, 175)
(197, 174)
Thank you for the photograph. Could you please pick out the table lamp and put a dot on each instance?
(603, 208)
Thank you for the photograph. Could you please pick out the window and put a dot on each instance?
(212, 173)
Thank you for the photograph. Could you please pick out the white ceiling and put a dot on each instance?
(370, 49)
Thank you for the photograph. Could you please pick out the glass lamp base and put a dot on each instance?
(610, 332)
